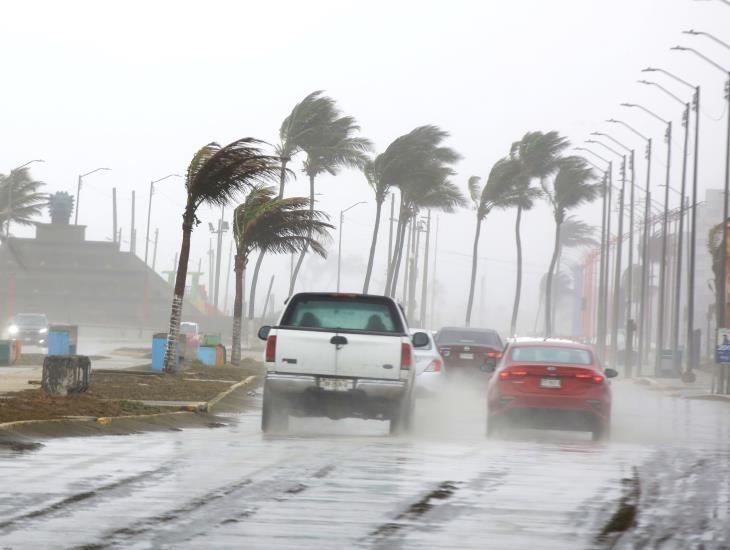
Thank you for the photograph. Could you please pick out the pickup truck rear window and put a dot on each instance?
(347, 313)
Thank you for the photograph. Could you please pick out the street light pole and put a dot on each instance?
(665, 220)
(78, 191)
(10, 193)
(676, 314)
(149, 213)
(646, 260)
(339, 244)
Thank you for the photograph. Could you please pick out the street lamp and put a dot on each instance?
(630, 323)
(619, 254)
(643, 321)
(78, 192)
(223, 227)
(602, 321)
(665, 221)
(726, 195)
(339, 246)
(708, 35)
(680, 237)
(10, 192)
(149, 212)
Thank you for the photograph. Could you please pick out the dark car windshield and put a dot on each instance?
(343, 312)
(30, 320)
(550, 354)
(464, 336)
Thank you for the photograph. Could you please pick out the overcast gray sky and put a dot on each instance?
(139, 86)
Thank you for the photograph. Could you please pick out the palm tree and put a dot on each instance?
(538, 153)
(419, 165)
(572, 186)
(20, 199)
(501, 191)
(269, 224)
(306, 124)
(335, 147)
(60, 207)
(372, 169)
(215, 176)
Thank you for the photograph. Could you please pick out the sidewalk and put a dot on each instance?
(699, 389)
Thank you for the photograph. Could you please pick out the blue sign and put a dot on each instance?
(722, 349)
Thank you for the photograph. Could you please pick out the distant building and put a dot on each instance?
(88, 283)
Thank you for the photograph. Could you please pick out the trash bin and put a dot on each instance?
(666, 367)
(159, 347)
(6, 352)
(210, 340)
(63, 339)
(207, 355)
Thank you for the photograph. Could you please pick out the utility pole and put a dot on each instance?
(339, 243)
(114, 214)
(221, 228)
(154, 252)
(211, 272)
(133, 234)
(617, 274)
(424, 284)
(228, 278)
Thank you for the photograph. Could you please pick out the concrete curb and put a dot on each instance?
(108, 420)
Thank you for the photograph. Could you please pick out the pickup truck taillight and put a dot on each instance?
(406, 358)
(271, 349)
(434, 366)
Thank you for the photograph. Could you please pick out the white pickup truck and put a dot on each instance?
(339, 355)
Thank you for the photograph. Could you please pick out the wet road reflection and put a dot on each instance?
(662, 479)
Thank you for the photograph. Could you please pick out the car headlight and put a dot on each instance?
(43, 331)
(13, 329)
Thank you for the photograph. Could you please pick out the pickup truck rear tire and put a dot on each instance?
(402, 420)
(274, 416)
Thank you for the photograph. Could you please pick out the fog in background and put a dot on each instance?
(140, 86)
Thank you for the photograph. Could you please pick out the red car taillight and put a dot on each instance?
(434, 366)
(589, 376)
(494, 355)
(406, 358)
(271, 349)
(512, 373)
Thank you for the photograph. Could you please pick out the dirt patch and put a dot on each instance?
(119, 393)
(36, 405)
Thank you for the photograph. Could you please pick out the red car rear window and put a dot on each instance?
(551, 354)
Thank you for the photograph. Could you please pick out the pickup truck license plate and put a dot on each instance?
(466, 356)
(336, 384)
(550, 382)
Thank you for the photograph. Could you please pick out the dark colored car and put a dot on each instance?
(29, 328)
(468, 350)
(550, 384)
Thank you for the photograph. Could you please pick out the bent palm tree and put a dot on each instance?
(20, 199)
(572, 186)
(419, 166)
(266, 223)
(335, 148)
(373, 174)
(538, 153)
(500, 191)
(215, 176)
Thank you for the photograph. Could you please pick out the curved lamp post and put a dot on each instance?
(78, 192)
(339, 245)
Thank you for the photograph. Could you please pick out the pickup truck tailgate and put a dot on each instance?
(370, 356)
(305, 352)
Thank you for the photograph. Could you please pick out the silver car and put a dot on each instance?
(430, 366)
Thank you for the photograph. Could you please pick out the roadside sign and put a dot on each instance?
(722, 350)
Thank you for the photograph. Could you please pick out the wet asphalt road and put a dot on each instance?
(663, 481)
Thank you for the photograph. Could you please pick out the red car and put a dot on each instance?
(551, 384)
(467, 351)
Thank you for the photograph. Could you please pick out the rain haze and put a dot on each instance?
(103, 100)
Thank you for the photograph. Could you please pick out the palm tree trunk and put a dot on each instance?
(556, 301)
(549, 282)
(282, 176)
(173, 333)
(254, 280)
(393, 260)
(398, 255)
(373, 244)
(518, 286)
(474, 261)
(239, 270)
(293, 281)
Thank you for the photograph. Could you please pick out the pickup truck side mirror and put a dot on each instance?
(610, 373)
(264, 332)
(490, 365)
(420, 340)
